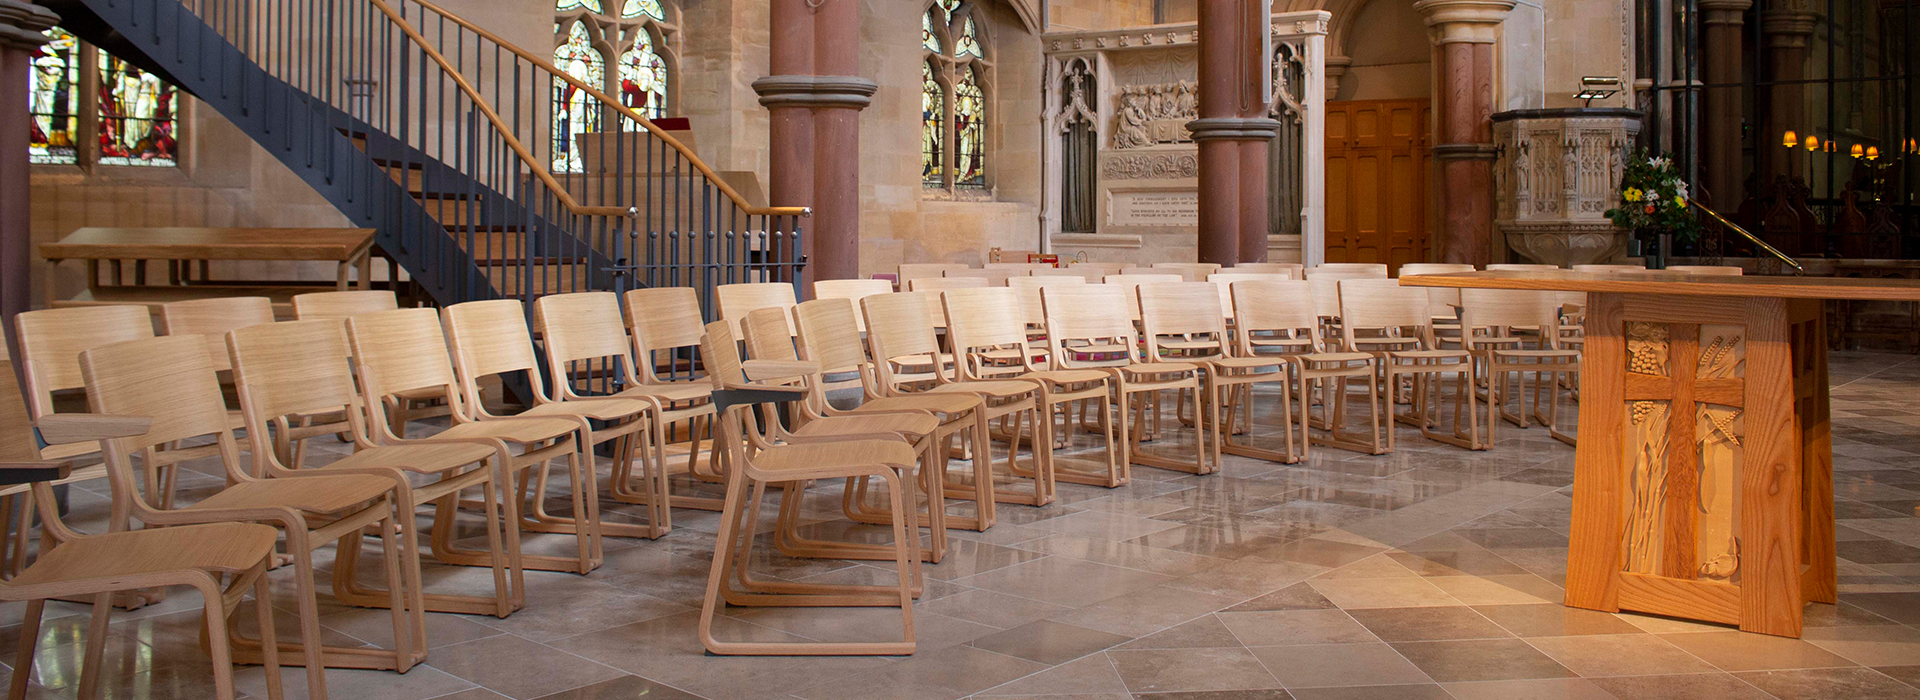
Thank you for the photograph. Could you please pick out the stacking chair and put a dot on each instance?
(1129, 285)
(1223, 282)
(98, 566)
(1276, 318)
(941, 284)
(737, 300)
(1193, 272)
(1489, 316)
(1325, 281)
(490, 339)
(1521, 267)
(1103, 268)
(1361, 270)
(906, 357)
(988, 330)
(211, 319)
(913, 271)
(1443, 302)
(1391, 322)
(1021, 269)
(852, 291)
(1051, 271)
(995, 276)
(829, 341)
(171, 380)
(1088, 328)
(405, 350)
(1184, 323)
(1033, 312)
(1292, 270)
(1725, 270)
(283, 371)
(343, 305)
(754, 463)
(664, 326)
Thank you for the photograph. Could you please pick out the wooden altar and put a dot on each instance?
(1703, 482)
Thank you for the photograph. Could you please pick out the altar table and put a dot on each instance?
(1703, 479)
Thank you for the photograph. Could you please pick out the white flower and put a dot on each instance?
(1653, 195)
(1680, 189)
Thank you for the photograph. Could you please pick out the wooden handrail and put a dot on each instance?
(605, 101)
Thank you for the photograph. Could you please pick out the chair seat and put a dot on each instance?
(676, 392)
(423, 394)
(1248, 362)
(1334, 356)
(994, 389)
(1427, 354)
(1066, 376)
(943, 402)
(607, 409)
(419, 458)
(312, 494)
(1149, 368)
(1541, 354)
(223, 547)
(1189, 344)
(829, 457)
(1279, 342)
(910, 424)
(522, 430)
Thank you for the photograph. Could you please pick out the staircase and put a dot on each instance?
(432, 131)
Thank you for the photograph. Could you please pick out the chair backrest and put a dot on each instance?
(1193, 272)
(995, 276)
(1182, 309)
(720, 351)
(1274, 306)
(397, 351)
(487, 338)
(1726, 270)
(291, 369)
(169, 379)
(578, 330)
(17, 442)
(1105, 268)
(986, 319)
(1029, 290)
(661, 319)
(901, 325)
(1051, 271)
(1326, 283)
(1522, 267)
(342, 304)
(767, 336)
(1411, 269)
(1382, 305)
(1020, 268)
(211, 318)
(1224, 281)
(913, 271)
(1610, 268)
(1500, 310)
(1292, 270)
(852, 291)
(1442, 299)
(1370, 269)
(51, 341)
(1084, 314)
(829, 336)
(1131, 282)
(940, 284)
(737, 300)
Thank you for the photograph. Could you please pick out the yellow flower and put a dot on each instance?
(1632, 194)
(1680, 202)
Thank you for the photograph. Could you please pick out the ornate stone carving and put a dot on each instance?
(1156, 166)
(1556, 176)
(1149, 115)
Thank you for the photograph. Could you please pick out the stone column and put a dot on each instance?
(21, 24)
(1233, 131)
(1788, 28)
(1463, 33)
(815, 98)
(1722, 44)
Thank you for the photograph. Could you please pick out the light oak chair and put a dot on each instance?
(1443, 302)
(1021, 268)
(1490, 317)
(995, 276)
(283, 370)
(852, 291)
(405, 350)
(1129, 285)
(98, 566)
(490, 340)
(1088, 328)
(1277, 318)
(1185, 323)
(1291, 270)
(1366, 269)
(1391, 322)
(343, 305)
(1223, 283)
(664, 326)
(754, 463)
(1193, 272)
(1105, 268)
(913, 271)
(212, 318)
(1521, 267)
(941, 284)
(171, 380)
(1325, 281)
(1051, 271)
(735, 301)
(1722, 270)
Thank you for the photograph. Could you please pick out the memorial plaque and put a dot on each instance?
(1155, 209)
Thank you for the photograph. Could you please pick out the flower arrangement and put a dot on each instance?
(1653, 196)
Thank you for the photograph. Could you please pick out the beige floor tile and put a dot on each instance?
(1876, 645)
(1619, 655)
(621, 687)
(1285, 627)
(954, 672)
(1740, 651)
(518, 668)
(1088, 675)
(1145, 611)
(1246, 578)
(1696, 686)
(991, 608)
(1382, 592)
(1554, 620)
(1103, 525)
(1427, 623)
(1128, 555)
(1825, 683)
(1319, 552)
(1161, 670)
(1065, 581)
(1207, 632)
(1048, 642)
(1299, 596)
(1510, 589)
(1376, 566)
(418, 684)
(1544, 689)
(1481, 660)
(1422, 691)
(1319, 665)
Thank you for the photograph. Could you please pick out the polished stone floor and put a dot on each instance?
(1428, 573)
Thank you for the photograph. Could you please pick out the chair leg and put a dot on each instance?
(96, 646)
(23, 656)
(269, 640)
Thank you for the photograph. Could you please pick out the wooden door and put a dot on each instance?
(1377, 181)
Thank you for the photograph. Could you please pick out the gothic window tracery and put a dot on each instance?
(956, 96)
(619, 47)
(128, 119)
(1078, 126)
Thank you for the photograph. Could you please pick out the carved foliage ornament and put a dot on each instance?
(1151, 167)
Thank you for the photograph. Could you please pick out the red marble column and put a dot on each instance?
(21, 25)
(815, 99)
(1464, 32)
(1722, 44)
(1233, 131)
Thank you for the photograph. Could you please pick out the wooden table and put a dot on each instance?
(347, 248)
(1703, 480)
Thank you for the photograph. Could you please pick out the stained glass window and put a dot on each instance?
(969, 43)
(970, 131)
(933, 123)
(574, 111)
(53, 99)
(571, 5)
(643, 8)
(643, 78)
(928, 40)
(136, 115)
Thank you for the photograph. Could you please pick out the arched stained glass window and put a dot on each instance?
(571, 5)
(643, 79)
(136, 115)
(643, 8)
(574, 111)
(933, 127)
(970, 131)
(53, 100)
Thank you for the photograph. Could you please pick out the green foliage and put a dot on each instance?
(1653, 196)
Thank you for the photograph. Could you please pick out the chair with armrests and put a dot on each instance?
(1088, 328)
(755, 462)
(1034, 313)
(1193, 272)
(171, 380)
(1490, 316)
(1223, 282)
(664, 325)
(344, 305)
(1277, 318)
(1325, 281)
(1184, 323)
(211, 319)
(98, 566)
(852, 291)
(1391, 322)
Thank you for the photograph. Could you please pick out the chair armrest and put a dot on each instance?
(26, 472)
(67, 428)
(762, 370)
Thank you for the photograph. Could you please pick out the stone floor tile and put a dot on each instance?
(1048, 642)
(1826, 683)
(1382, 592)
(1543, 689)
(1065, 581)
(954, 672)
(1741, 651)
(1694, 686)
(1299, 596)
(1619, 655)
(620, 688)
(1206, 632)
(1285, 627)
(1322, 665)
(1554, 620)
(1427, 624)
(1089, 675)
(991, 608)
(1499, 590)
(1481, 660)
(1145, 611)
(1872, 645)
(518, 668)
(1161, 670)
(1421, 691)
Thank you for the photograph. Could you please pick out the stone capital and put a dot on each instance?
(844, 91)
(1233, 129)
(1465, 151)
(1723, 11)
(21, 24)
(1464, 21)
(1788, 28)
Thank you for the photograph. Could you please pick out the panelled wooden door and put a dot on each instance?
(1377, 181)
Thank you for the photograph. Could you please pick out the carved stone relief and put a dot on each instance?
(1149, 115)
(1150, 166)
(1555, 178)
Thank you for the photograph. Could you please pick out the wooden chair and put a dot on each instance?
(284, 370)
(754, 464)
(1443, 302)
(1104, 268)
(1363, 270)
(1082, 274)
(1129, 285)
(995, 276)
(99, 566)
(664, 326)
(344, 305)
(1277, 318)
(1490, 316)
(1185, 323)
(171, 380)
(1726, 270)
(941, 284)
(1020, 269)
(906, 357)
(737, 300)
(1193, 272)
(1087, 328)
(490, 339)
(1391, 322)
(829, 340)
(1291, 270)
(991, 342)
(405, 350)
(1034, 313)
(212, 318)
(1325, 281)
(1223, 283)
(913, 271)
(852, 291)
(1610, 268)
(1522, 267)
